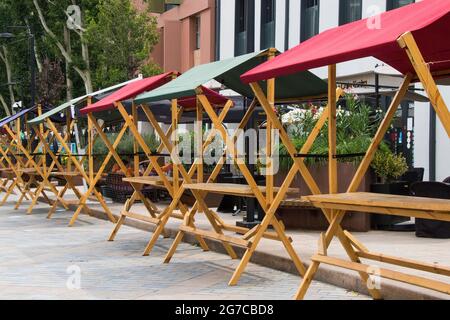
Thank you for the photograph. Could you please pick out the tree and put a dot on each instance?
(4, 56)
(81, 63)
(111, 43)
(120, 40)
(50, 83)
(15, 60)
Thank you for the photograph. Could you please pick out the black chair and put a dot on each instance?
(431, 228)
(446, 180)
(401, 188)
(413, 175)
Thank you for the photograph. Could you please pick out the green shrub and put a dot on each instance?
(356, 125)
(389, 166)
(125, 147)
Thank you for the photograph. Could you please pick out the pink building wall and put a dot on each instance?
(176, 48)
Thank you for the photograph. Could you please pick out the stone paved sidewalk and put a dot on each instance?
(39, 257)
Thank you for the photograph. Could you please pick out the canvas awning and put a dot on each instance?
(228, 73)
(19, 114)
(60, 109)
(126, 92)
(133, 89)
(428, 21)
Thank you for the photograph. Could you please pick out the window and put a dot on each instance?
(160, 6)
(197, 32)
(267, 24)
(168, 7)
(310, 19)
(394, 4)
(244, 27)
(349, 11)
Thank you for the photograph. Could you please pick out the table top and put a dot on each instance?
(383, 200)
(232, 189)
(72, 174)
(27, 171)
(151, 180)
(66, 174)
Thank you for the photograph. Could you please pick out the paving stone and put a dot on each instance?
(39, 257)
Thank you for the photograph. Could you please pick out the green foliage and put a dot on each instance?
(125, 147)
(356, 125)
(389, 166)
(120, 41)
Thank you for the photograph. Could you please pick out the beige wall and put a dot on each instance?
(176, 49)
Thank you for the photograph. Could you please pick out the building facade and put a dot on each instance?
(245, 26)
(187, 33)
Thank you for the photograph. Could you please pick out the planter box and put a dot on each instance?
(313, 219)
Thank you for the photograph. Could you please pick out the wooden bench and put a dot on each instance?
(435, 209)
(242, 190)
(154, 181)
(300, 202)
(426, 208)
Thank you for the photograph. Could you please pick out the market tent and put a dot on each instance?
(227, 72)
(60, 109)
(375, 36)
(133, 89)
(111, 106)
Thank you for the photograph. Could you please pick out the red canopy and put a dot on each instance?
(129, 91)
(135, 88)
(429, 22)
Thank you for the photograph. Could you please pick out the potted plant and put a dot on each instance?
(388, 167)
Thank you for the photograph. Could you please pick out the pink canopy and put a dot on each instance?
(135, 88)
(428, 21)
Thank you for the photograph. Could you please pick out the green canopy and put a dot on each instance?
(228, 73)
(75, 101)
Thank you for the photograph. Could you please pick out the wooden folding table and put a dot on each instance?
(425, 208)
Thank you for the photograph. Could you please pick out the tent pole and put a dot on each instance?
(269, 142)
(332, 161)
(90, 147)
(134, 114)
(199, 141)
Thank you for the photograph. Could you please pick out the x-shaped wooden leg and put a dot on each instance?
(189, 219)
(70, 184)
(17, 181)
(301, 167)
(27, 189)
(164, 216)
(60, 195)
(32, 162)
(269, 218)
(47, 173)
(80, 169)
